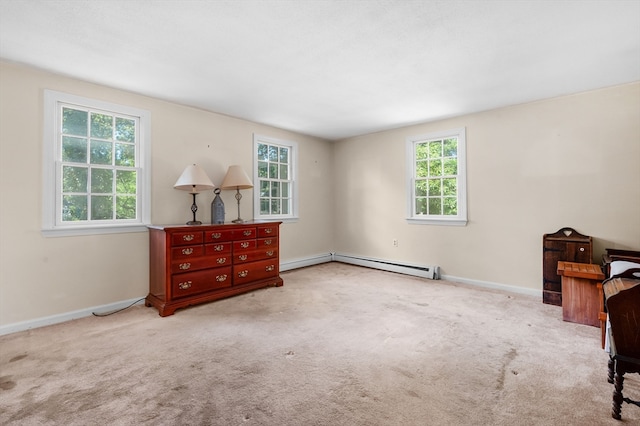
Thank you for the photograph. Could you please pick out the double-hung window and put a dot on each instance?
(96, 166)
(436, 178)
(275, 172)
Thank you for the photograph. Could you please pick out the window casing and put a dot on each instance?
(436, 178)
(275, 172)
(96, 166)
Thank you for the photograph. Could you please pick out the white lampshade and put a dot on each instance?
(194, 180)
(236, 178)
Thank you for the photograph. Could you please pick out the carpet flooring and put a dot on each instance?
(336, 345)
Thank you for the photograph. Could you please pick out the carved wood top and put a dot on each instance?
(567, 234)
(580, 270)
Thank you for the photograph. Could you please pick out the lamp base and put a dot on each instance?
(194, 222)
(238, 220)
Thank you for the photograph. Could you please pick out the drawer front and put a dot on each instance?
(218, 248)
(246, 245)
(254, 271)
(186, 252)
(268, 231)
(244, 233)
(186, 238)
(185, 265)
(252, 256)
(268, 242)
(269, 253)
(218, 235)
(200, 281)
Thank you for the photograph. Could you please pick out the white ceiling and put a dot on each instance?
(331, 68)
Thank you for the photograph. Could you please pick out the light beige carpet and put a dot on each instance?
(337, 345)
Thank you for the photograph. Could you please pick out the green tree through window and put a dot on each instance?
(99, 177)
(275, 171)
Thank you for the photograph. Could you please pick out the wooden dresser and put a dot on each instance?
(197, 264)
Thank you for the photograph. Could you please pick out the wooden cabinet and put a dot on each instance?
(581, 292)
(197, 264)
(564, 245)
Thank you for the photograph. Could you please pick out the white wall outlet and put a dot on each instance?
(395, 242)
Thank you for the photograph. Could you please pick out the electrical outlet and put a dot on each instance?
(395, 242)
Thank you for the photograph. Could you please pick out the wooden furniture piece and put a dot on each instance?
(613, 255)
(197, 264)
(623, 304)
(580, 293)
(631, 276)
(565, 244)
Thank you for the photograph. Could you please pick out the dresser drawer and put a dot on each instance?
(187, 252)
(271, 242)
(268, 231)
(186, 238)
(252, 256)
(254, 271)
(218, 248)
(217, 235)
(245, 245)
(203, 262)
(200, 281)
(244, 234)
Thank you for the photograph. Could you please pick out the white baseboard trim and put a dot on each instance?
(496, 286)
(408, 269)
(67, 316)
(308, 261)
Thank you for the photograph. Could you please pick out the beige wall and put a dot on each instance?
(532, 169)
(42, 277)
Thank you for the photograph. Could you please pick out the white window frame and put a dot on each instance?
(52, 224)
(461, 218)
(293, 178)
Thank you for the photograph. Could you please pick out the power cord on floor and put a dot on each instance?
(106, 314)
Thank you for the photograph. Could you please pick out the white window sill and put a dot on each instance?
(277, 219)
(446, 222)
(92, 230)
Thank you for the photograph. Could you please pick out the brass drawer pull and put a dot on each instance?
(187, 251)
(221, 260)
(218, 247)
(270, 253)
(267, 242)
(216, 235)
(268, 230)
(243, 274)
(184, 266)
(270, 268)
(189, 237)
(243, 257)
(185, 285)
(247, 233)
(244, 244)
(221, 278)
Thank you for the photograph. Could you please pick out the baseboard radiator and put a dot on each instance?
(431, 272)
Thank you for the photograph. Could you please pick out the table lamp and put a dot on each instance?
(236, 179)
(194, 180)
